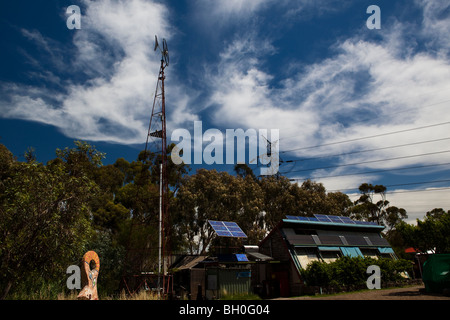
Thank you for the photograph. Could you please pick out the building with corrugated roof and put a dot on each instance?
(297, 241)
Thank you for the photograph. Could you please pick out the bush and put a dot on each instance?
(317, 274)
(347, 272)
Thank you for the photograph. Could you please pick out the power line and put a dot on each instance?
(370, 161)
(375, 171)
(417, 190)
(394, 113)
(363, 151)
(367, 137)
(401, 184)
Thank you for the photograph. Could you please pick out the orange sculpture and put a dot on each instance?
(89, 277)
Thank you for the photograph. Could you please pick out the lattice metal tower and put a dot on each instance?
(140, 256)
(157, 131)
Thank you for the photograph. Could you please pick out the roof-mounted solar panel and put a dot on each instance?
(227, 229)
(331, 219)
(322, 218)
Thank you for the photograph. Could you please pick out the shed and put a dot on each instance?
(210, 277)
(189, 275)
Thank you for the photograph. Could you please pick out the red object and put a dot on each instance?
(411, 250)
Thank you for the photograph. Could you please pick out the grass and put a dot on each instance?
(239, 296)
(141, 295)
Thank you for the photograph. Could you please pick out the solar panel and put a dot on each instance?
(221, 233)
(331, 219)
(301, 218)
(322, 218)
(227, 229)
(336, 219)
(241, 257)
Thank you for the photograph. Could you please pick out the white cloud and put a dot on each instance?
(223, 12)
(110, 82)
(364, 89)
(436, 24)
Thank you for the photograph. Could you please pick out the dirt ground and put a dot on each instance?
(408, 293)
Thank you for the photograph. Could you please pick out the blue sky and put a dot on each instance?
(351, 104)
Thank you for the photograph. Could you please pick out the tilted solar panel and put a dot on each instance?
(227, 229)
(241, 257)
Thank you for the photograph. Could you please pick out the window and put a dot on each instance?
(330, 256)
(306, 255)
(369, 253)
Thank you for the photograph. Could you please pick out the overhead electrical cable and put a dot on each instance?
(422, 190)
(370, 161)
(372, 172)
(363, 151)
(372, 117)
(368, 137)
(399, 184)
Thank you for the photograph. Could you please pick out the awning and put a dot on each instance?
(385, 250)
(351, 252)
(328, 248)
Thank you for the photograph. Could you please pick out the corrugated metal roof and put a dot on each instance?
(188, 262)
(259, 256)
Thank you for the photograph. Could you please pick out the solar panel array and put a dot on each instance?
(227, 229)
(331, 219)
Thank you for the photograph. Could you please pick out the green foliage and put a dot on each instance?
(317, 273)
(51, 214)
(348, 272)
(112, 254)
(367, 208)
(431, 233)
(44, 217)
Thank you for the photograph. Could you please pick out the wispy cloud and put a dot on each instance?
(365, 87)
(107, 86)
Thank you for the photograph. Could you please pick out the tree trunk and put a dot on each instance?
(6, 290)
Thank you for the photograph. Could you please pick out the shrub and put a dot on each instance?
(317, 274)
(348, 272)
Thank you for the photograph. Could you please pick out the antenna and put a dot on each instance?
(164, 50)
